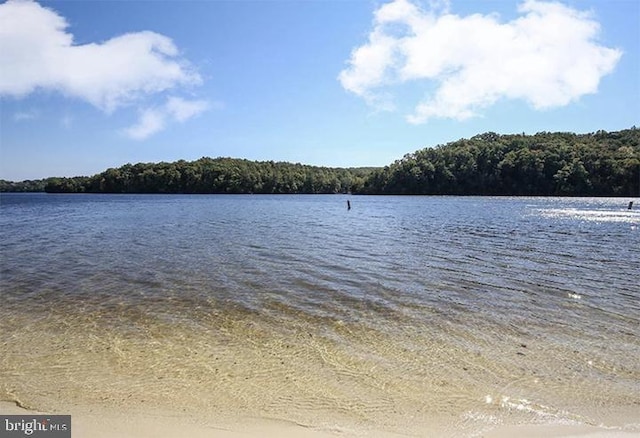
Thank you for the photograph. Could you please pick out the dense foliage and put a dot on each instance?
(23, 186)
(565, 164)
(220, 175)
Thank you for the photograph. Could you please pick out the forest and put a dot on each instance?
(545, 164)
(219, 175)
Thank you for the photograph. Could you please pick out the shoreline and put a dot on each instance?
(112, 423)
(121, 423)
(557, 431)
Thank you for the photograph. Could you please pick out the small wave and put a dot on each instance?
(540, 411)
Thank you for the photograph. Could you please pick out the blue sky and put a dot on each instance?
(88, 85)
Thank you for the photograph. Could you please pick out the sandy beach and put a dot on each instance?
(553, 431)
(119, 424)
(113, 424)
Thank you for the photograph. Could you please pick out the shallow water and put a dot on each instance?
(402, 314)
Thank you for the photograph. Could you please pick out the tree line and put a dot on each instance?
(544, 164)
(219, 175)
(36, 185)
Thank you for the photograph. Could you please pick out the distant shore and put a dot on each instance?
(545, 164)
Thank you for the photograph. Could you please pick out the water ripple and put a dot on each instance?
(401, 309)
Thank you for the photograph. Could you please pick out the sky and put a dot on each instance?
(86, 85)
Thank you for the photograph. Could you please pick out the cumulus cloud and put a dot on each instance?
(37, 53)
(181, 109)
(154, 120)
(151, 121)
(548, 57)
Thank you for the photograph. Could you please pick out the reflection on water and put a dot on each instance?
(629, 216)
(403, 313)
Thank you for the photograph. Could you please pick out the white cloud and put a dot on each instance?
(154, 120)
(182, 109)
(37, 53)
(151, 121)
(22, 116)
(548, 57)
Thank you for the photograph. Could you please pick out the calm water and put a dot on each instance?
(404, 314)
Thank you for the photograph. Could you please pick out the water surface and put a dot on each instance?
(403, 314)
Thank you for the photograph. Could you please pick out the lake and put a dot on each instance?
(402, 314)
